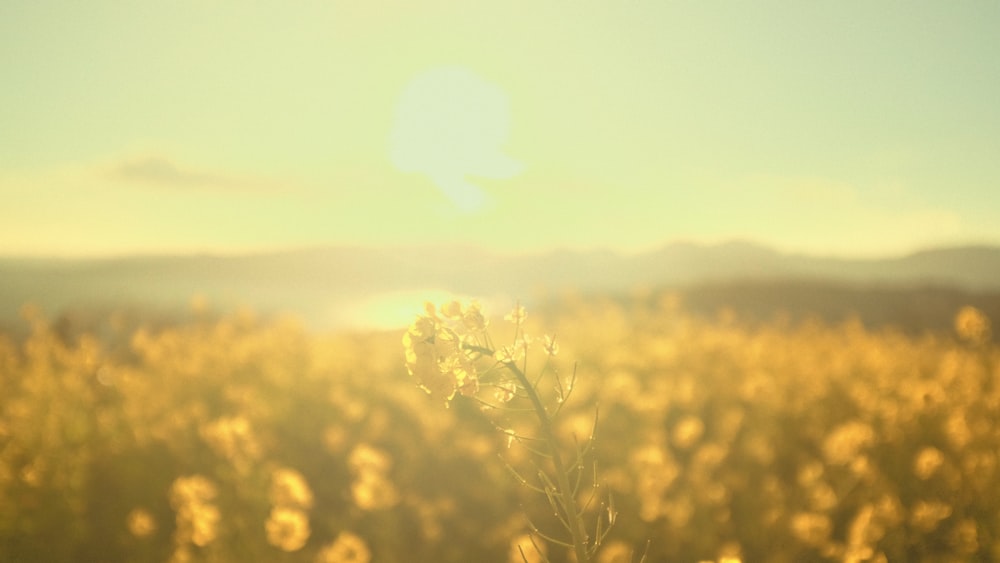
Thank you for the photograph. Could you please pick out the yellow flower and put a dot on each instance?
(505, 391)
(473, 318)
(195, 489)
(965, 537)
(141, 523)
(429, 309)
(688, 431)
(517, 315)
(811, 528)
(452, 310)
(287, 529)
(371, 488)
(369, 459)
(347, 548)
(233, 439)
(927, 462)
(373, 491)
(506, 355)
(197, 519)
(926, 515)
(847, 441)
(289, 489)
(204, 521)
(550, 345)
(972, 325)
(436, 360)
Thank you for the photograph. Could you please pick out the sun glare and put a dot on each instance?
(397, 309)
(450, 125)
(394, 309)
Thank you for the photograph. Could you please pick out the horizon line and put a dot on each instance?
(263, 251)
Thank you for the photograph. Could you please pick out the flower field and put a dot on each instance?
(232, 437)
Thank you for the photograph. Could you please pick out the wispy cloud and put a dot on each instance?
(163, 171)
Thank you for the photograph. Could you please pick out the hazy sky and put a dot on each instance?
(228, 126)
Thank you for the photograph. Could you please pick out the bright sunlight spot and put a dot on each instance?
(394, 309)
(450, 126)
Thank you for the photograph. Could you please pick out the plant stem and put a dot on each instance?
(567, 502)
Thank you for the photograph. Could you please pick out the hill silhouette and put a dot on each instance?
(320, 284)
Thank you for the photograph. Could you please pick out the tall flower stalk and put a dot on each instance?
(450, 353)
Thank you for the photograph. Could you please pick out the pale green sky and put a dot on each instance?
(851, 128)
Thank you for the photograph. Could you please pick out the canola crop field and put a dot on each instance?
(232, 437)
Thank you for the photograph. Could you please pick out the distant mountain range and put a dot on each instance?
(324, 285)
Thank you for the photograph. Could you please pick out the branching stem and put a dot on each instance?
(571, 517)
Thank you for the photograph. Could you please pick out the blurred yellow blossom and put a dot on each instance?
(550, 345)
(473, 318)
(510, 354)
(197, 517)
(926, 514)
(371, 487)
(372, 491)
(957, 430)
(289, 489)
(964, 537)
(847, 441)
(972, 325)
(367, 458)
(517, 315)
(505, 391)
(141, 523)
(452, 309)
(811, 528)
(346, 548)
(195, 489)
(287, 529)
(688, 431)
(927, 462)
(233, 439)
(863, 533)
